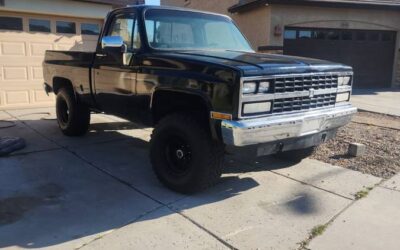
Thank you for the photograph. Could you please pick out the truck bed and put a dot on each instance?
(74, 66)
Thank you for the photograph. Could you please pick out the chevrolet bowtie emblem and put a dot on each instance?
(311, 95)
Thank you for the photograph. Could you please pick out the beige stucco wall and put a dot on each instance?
(340, 18)
(254, 25)
(58, 7)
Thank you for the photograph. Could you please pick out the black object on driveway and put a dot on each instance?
(10, 144)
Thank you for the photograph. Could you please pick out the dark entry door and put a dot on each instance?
(369, 52)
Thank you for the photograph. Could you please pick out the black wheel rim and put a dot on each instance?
(178, 154)
(62, 112)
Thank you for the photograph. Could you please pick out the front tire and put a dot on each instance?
(73, 117)
(184, 156)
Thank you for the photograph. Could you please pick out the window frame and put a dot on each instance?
(63, 21)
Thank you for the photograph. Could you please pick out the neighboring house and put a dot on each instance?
(30, 27)
(361, 33)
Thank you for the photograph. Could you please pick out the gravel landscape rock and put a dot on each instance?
(381, 136)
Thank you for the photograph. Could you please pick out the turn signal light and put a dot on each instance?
(220, 116)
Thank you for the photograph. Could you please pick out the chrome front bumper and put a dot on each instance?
(279, 127)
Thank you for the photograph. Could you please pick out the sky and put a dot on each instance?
(153, 2)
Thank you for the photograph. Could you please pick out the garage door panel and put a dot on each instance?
(37, 72)
(15, 73)
(22, 54)
(39, 96)
(371, 58)
(17, 97)
(13, 48)
(39, 49)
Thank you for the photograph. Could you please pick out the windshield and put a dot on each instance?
(186, 30)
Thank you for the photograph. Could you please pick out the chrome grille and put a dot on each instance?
(303, 103)
(305, 82)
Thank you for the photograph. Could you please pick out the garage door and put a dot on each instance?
(370, 52)
(23, 41)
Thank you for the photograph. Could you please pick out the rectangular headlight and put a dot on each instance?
(343, 97)
(264, 87)
(249, 88)
(259, 107)
(344, 80)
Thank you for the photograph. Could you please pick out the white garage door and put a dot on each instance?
(24, 39)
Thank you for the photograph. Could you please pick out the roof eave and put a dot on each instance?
(254, 4)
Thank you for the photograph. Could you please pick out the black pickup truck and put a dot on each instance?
(194, 77)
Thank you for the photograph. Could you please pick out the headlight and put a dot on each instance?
(263, 87)
(343, 97)
(344, 80)
(258, 107)
(249, 87)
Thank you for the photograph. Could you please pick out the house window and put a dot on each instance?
(37, 25)
(290, 34)
(90, 29)
(387, 37)
(305, 34)
(361, 36)
(65, 27)
(10, 23)
(347, 35)
(320, 35)
(373, 36)
(333, 35)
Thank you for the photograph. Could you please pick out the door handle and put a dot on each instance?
(101, 55)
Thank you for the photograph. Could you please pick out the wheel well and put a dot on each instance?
(60, 82)
(167, 102)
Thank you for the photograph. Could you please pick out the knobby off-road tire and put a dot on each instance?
(184, 156)
(73, 117)
(296, 155)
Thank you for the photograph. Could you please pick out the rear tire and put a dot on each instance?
(184, 156)
(296, 155)
(73, 117)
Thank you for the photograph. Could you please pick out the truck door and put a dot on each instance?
(114, 81)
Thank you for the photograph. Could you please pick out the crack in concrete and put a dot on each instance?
(388, 188)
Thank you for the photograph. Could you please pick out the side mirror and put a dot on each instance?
(112, 42)
(115, 45)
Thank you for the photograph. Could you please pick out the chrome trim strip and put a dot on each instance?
(269, 97)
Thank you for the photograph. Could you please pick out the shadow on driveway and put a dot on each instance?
(85, 187)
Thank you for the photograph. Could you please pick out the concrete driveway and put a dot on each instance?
(384, 101)
(99, 192)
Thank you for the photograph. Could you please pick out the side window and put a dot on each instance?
(137, 43)
(126, 27)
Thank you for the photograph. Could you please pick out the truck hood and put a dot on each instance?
(260, 63)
